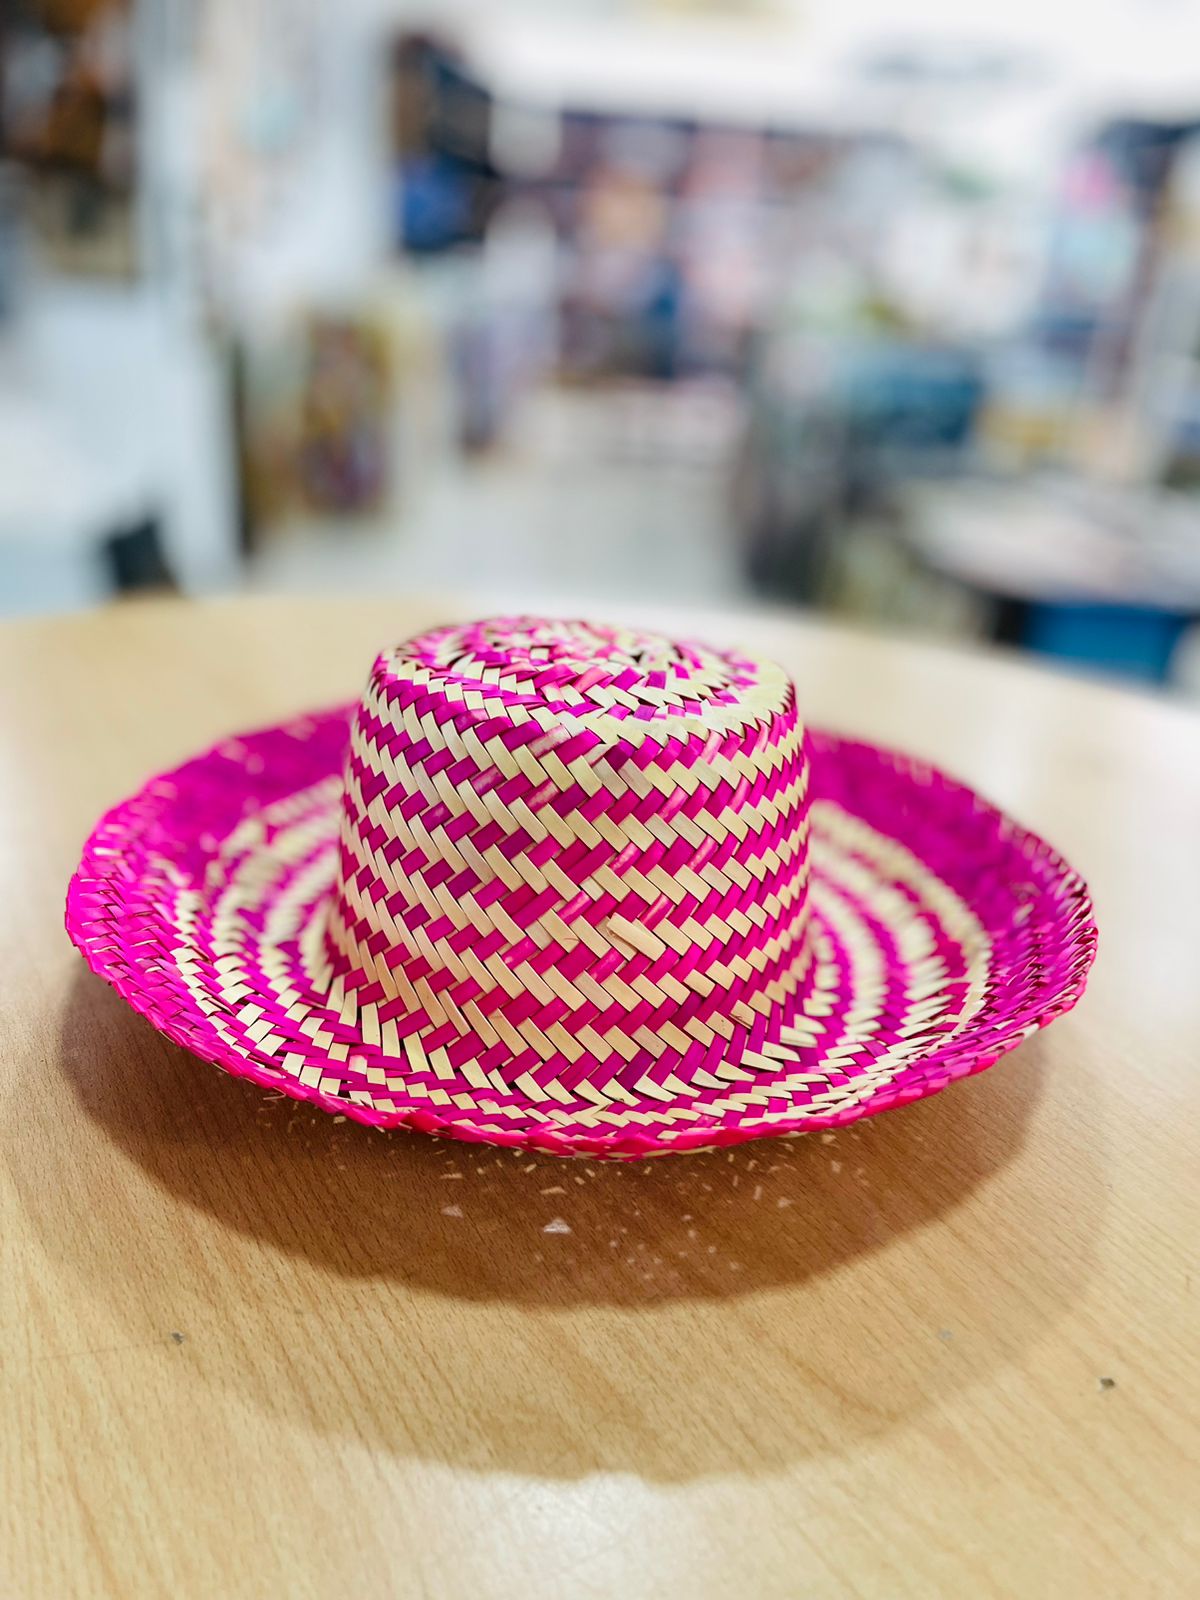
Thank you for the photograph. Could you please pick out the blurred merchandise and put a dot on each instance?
(440, 129)
(258, 101)
(69, 107)
(317, 418)
(895, 317)
(341, 462)
(836, 424)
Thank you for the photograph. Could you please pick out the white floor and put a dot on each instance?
(587, 504)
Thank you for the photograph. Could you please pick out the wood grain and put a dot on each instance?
(249, 1351)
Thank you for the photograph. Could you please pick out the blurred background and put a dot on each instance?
(889, 311)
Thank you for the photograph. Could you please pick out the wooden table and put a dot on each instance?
(247, 1350)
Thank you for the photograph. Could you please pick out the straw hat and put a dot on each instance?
(573, 887)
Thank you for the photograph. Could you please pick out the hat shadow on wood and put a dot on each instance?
(405, 1263)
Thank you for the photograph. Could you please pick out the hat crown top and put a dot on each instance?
(571, 670)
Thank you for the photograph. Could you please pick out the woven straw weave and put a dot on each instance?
(581, 888)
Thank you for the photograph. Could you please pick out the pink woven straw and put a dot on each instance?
(573, 887)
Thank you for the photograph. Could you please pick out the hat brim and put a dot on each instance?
(942, 934)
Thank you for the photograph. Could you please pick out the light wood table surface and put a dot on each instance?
(248, 1351)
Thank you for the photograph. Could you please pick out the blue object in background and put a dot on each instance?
(1136, 641)
(436, 204)
(907, 396)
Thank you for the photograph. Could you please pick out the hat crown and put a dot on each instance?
(572, 857)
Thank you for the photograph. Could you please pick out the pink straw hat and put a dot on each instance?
(582, 889)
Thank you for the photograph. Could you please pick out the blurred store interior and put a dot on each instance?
(888, 311)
